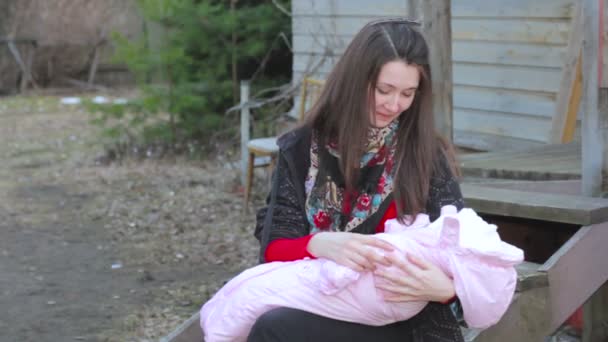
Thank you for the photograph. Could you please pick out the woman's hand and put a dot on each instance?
(355, 251)
(423, 281)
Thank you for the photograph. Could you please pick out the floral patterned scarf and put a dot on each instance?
(328, 206)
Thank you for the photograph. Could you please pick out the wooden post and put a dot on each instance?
(595, 119)
(244, 129)
(594, 147)
(436, 16)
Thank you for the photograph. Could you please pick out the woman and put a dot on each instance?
(368, 152)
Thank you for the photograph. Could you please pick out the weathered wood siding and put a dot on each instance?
(507, 60)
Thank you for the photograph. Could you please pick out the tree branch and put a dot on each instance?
(281, 8)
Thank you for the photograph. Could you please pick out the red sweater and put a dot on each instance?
(295, 249)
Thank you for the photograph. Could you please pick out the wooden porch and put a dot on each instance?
(535, 198)
(547, 162)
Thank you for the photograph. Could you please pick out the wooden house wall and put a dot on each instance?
(507, 60)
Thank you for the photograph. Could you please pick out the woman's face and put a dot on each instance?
(394, 93)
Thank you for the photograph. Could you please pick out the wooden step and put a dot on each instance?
(529, 277)
(488, 199)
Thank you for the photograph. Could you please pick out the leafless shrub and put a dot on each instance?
(66, 32)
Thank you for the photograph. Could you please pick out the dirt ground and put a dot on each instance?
(118, 252)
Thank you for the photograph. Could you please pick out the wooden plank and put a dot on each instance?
(498, 161)
(568, 80)
(528, 172)
(507, 76)
(503, 124)
(529, 277)
(504, 30)
(564, 187)
(546, 167)
(319, 25)
(603, 132)
(593, 129)
(489, 142)
(511, 30)
(604, 80)
(524, 54)
(349, 7)
(188, 331)
(571, 149)
(603, 94)
(526, 319)
(504, 100)
(437, 30)
(582, 257)
(461, 8)
(502, 77)
(595, 316)
(525, 204)
(516, 8)
(320, 45)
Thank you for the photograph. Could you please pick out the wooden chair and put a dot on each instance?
(267, 147)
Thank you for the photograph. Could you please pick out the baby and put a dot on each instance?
(462, 244)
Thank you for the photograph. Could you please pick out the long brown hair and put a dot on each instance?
(343, 110)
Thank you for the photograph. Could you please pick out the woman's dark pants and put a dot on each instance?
(434, 323)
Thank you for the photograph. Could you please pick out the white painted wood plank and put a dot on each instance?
(460, 8)
(501, 124)
(319, 25)
(480, 75)
(471, 90)
(509, 77)
(513, 8)
(502, 100)
(604, 81)
(511, 30)
(349, 7)
(322, 44)
(462, 50)
(491, 142)
(595, 146)
(507, 53)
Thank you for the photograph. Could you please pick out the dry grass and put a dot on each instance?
(175, 224)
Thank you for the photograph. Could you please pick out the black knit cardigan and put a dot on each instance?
(284, 216)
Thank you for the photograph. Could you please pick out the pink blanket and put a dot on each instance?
(460, 243)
